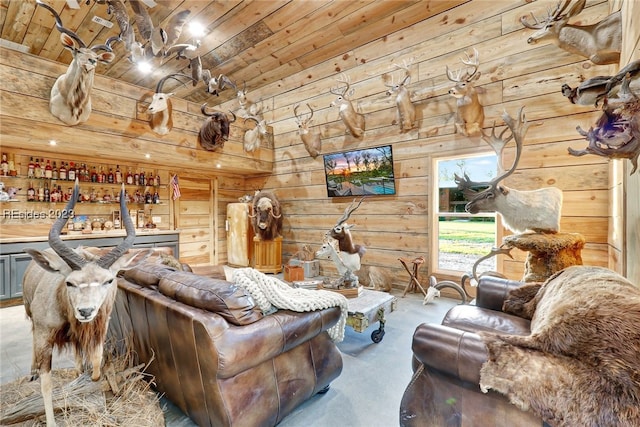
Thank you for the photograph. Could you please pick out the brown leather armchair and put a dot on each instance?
(214, 354)
(444, 390)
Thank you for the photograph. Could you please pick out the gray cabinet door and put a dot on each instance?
(19, 263)
(5, 277)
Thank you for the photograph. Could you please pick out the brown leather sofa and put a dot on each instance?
(212, 351)
(444, 389)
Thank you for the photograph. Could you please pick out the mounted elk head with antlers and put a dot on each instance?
(160, 120)
(267, 215)
(311, 140)
(537, 210)
(406, 115)
(353, 120)
(70, 98)
(469, 112)
(214, 132)
(69, 295)
(600, 42)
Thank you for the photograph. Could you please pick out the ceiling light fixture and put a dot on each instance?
(197, 30)
(147, 156)
(145, 67)
(52, 142)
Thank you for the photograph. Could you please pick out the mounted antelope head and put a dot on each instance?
(406, 114)
(311, 140)
(469, 112)
(70, 99)
(253, 137)
(601, 42)
(69, 295)
(214, 132)
(341, 231)
(215, 85)
(353, 120)
(160, 119)
(537, 210)
(247, 108)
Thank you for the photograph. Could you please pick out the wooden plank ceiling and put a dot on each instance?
(257, 42)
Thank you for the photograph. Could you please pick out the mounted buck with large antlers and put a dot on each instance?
(600, 42)
(160, 109)
(353, 120)
(70, 98)
(406, 114)
(469, 112)
(537, 210)
(69, 295)
(311, 140)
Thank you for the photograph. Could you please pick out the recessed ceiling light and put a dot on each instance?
(196, 29)
(218, 165)
(145, 67)
(147, 156)
(52, 142)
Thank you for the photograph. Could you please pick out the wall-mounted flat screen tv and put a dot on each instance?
(363, 172)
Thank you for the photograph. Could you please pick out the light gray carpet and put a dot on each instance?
(366, 394)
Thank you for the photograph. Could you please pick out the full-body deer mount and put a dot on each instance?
(70, 99)
(469, 116)
(601, 42)
(69, 296)
(353, 120)
(160, 120)
(311, 140)
(406, 114)
(537, 210)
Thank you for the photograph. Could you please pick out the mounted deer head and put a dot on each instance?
(406, 114)
(160, 108)
(70, 99)
(601, 42)
(469, 112)
(311, 140)
(353, 120)
(214, 132)
(537, 210)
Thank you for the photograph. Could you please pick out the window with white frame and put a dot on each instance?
(461, 238)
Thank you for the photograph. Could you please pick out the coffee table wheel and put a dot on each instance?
(377, 335)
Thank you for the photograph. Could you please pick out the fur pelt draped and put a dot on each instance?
(581, 364)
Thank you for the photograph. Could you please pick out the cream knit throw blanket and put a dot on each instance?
(271, 293)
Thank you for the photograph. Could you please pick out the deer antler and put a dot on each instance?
(472, 61)
(348, 211)
(345, 81)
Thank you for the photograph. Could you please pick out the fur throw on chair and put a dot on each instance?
(581, 364)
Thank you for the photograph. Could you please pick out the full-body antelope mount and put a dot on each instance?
(406, 114)
(469, 112)
(70, 99)
(601, 42)
(311, 140)
(161, 120)
(537, 210)
(353, 120)
(69, 296)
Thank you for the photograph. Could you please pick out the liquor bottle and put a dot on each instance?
(40, 192)
(156, 198)
(157, 180)
(47, 192)
(48, 172)
(136, 178)
(84, 173)
(129, 177)
(37, 171)
(54, 171)
(94, 174)
(31, 193)
(147, 198)
(62, 172)
(102, 177)
(4, 165)
(31, 168)
(53, 196)
(118, 175)
(71, 172)
(142, 178)
(151, 182)
(111, 176)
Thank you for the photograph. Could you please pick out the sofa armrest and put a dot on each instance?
(452, 351)
(492, 291)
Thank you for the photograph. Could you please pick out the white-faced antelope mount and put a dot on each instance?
(469, 112)
(248, 108)
(215, 85)
(214, 132)
(161, 120)
(69, 295)
(406, 114)
(600, 42)
(353, 120)
(311, 140)
(253, 137)
(536, 210)
(70, 99)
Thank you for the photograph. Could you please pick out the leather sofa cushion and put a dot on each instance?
(215, 295)
(477, 319)
(147, 274)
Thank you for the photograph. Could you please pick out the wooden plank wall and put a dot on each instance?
(514, 74)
